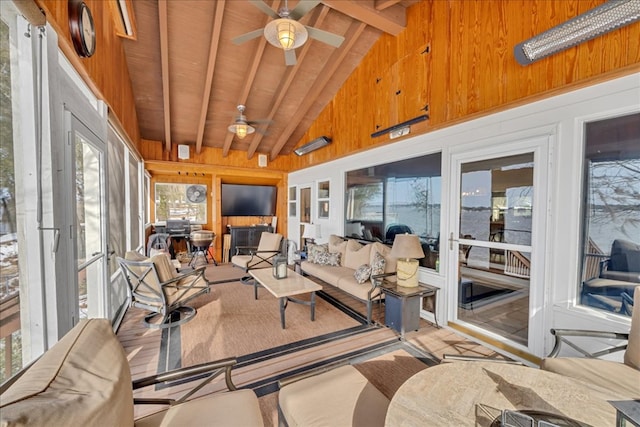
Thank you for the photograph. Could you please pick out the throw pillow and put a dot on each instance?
(314, 250)
(377, 266)
(356, 255)
(338, 245)
(362, 273)
(328, 258)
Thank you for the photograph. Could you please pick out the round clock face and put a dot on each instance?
(88, 32)
(82, 28)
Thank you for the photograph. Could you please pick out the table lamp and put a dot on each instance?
(407, 248)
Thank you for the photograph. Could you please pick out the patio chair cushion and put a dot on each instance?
(609, 374)
(83, 379)
(235, 408)
(269, 241)
(339, 397)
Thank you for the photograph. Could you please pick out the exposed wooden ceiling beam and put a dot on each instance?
(392, 21)
(383, 4)
(248, 80)
(213, 54)
(351, 37)
(164, 58)
(283, 88)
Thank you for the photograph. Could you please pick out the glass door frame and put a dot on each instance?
(539, 308)
(96, 290)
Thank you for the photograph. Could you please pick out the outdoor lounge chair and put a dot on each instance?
(622, 378)
(249, 258)
(85, 380)
(154, 285)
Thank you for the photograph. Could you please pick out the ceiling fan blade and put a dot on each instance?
(302, 8)
(290, 57)
(248, 36)
(325, 36)
(260, 122)
(265, 8)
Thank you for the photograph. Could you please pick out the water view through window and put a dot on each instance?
(396, 198)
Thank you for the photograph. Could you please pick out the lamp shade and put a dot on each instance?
(311, 231)
(406, 246)
(285, 33)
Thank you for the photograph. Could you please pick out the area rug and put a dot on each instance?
(231, 323)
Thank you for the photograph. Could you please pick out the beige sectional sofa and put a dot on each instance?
(352, 257)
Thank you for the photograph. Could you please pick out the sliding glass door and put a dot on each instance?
(492, 243)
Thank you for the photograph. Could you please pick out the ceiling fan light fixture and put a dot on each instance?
(285, 33)
(241, 129)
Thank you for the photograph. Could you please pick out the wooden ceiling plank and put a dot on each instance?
(332, 65)
(248, 80)
(164, 58)
(211, 66)
(283, 88)
(392, 21)
(383, 4)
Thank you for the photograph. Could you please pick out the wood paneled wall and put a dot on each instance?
(106, 72)
(469, 70)
(214, 176)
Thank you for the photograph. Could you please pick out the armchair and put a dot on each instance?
(155, 286)
(84, 379)
(269, 246)
(621, 378)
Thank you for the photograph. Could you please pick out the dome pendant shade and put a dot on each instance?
(241, 129)
(285, 33)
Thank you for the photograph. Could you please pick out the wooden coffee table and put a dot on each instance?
(285, 289)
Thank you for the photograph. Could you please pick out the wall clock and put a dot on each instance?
(82, 29)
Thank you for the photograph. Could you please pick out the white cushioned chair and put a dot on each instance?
(84, 380)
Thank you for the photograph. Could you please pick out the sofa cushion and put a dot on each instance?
(314, 250)
(618, 377)
(356, 255)
(328, 258)
(632, 353)
(326, 273)
(83, 379)
(347, 399)
(338, 245)
(377, 263)
(236, 408)
(362, 273)
(391, 263)
(350, 284)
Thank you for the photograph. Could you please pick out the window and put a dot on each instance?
(293, 202)
(611, 214)
(181, 201)
(323, 199)
(397, 197)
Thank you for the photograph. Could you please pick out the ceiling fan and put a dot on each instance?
(285, 32)
(243, 127)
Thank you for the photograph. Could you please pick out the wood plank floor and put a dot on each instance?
(142, 347)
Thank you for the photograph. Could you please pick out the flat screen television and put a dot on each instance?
(248, 200)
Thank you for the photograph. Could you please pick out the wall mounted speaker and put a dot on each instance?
(262, 160)
(183, 152)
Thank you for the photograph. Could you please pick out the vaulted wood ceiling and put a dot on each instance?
(188, 77)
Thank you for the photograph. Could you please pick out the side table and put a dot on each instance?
(402, 305)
